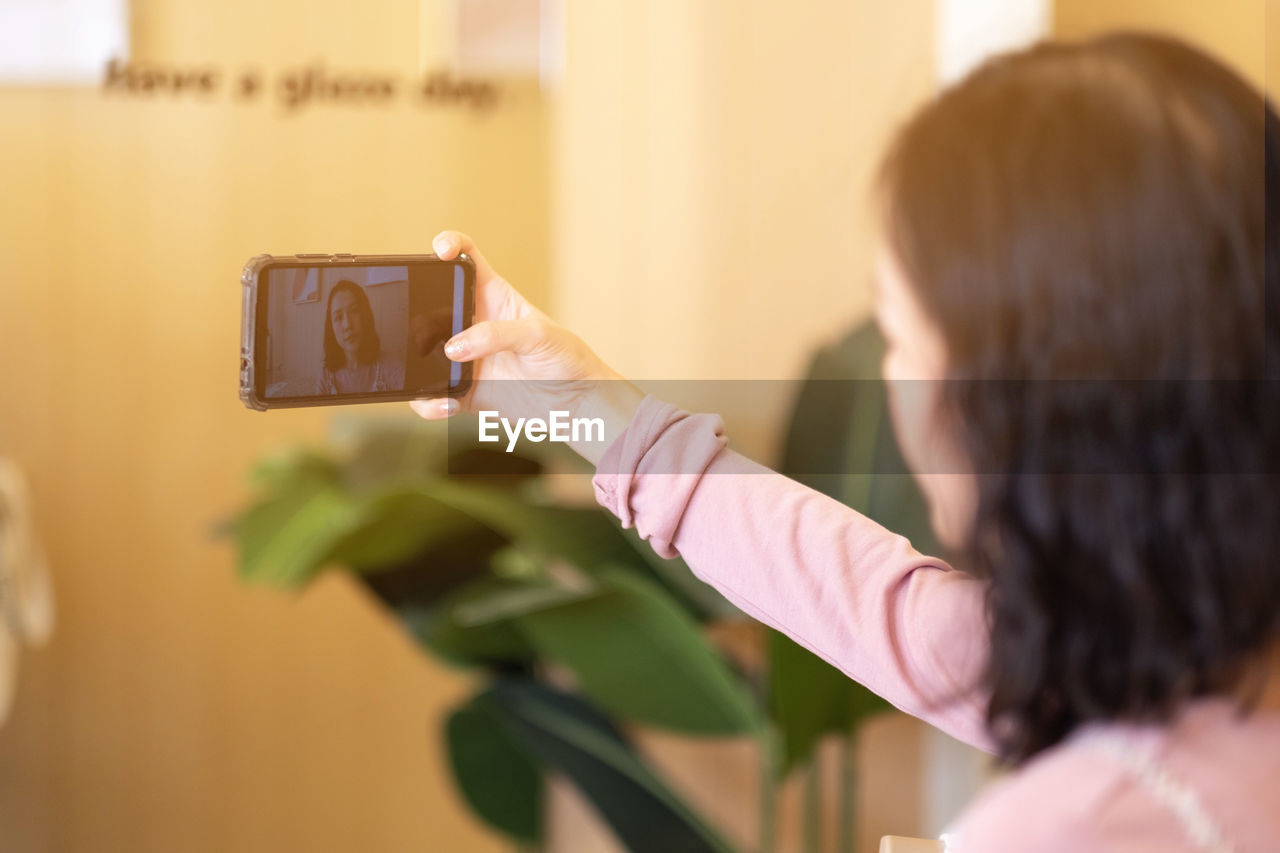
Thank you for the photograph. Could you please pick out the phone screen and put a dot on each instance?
(350, 332)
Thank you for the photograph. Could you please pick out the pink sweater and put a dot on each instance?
(911, 628)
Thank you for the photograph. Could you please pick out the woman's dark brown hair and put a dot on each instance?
(1086, 225)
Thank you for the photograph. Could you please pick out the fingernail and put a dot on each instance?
(448, 407)
(443, 245)
(457, 348)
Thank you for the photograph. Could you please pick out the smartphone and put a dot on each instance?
(326, 330)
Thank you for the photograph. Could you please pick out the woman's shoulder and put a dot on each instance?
(391, 367)
(1051, 804)
(325, 382)
(1136, 787)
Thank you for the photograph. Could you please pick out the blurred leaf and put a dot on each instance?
(808, 698)
(472, 626)
(506, 599)
(587, 537)
(566, 734)
(299, 469)
(580, 535)
(640, 656)
(498, 645)
(516, 563)
(390, 526)
(496, 467)
(469, 457)
(498, 779)
(286, 539)
(386, 451)
(284, 536)
(420, 581)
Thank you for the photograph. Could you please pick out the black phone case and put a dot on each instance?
(249, 279)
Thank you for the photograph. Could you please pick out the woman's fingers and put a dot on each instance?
(435, 409)
(493, 336)
(449, 244)
(495, 298)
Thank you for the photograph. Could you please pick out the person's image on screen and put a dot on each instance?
(354, 361)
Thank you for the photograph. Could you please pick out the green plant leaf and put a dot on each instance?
(587, 537)
(808, 698)
(383, 451)
(298, 490)
(408, 450)
(473, 625)
(497, 777)
(285, 540)
(297, 469)
(643, 658)
(503, 600)
(579, 534)
(566, 734)
(392, 525)
(498, 645)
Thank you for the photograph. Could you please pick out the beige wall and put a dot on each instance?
(1272, 54)
(176, 709)
(712, 163)
(1232, 30)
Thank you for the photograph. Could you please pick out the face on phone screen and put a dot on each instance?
(341, 332)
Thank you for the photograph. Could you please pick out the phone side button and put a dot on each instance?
(343, 256)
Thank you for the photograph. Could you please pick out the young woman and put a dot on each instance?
(354, 361)
(1073, 282)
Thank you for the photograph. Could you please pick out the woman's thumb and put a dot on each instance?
(493, 336)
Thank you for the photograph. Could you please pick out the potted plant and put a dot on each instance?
(576, 632)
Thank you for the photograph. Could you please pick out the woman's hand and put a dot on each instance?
(526, 364)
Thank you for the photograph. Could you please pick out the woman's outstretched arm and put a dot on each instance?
(907, 626)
